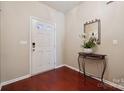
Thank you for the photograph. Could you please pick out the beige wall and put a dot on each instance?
(112, 28)
(16, 26)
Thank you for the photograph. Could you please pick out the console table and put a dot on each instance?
(91, 56)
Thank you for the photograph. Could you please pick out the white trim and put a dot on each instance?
(30, 42)
(93, 76)
(55, 47)
(73, 68)
(14, 80)
(59, 66)
(30, 48)
(47, 70)
(114, 85)
(0, 86)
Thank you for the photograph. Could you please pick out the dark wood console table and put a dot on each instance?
(92, 56)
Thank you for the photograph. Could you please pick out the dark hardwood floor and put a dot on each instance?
(61, 79)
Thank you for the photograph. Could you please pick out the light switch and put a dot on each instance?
(23, 42)
(115, 42)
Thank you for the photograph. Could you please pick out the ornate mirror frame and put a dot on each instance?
(98, 28)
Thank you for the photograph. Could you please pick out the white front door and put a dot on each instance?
(43, 46)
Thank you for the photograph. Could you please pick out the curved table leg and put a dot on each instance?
(104, 68)
(84, 67)
(79, 63)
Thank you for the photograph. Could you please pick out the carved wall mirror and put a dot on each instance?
(93, 27)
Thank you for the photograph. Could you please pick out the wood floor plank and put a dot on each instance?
(61, 79)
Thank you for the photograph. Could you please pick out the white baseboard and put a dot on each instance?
(93, 76)
(72, 67)
(59, 66)
(14, 80)
(114, 85)
(0, 86)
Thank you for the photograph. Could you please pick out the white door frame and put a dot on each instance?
(30, 41)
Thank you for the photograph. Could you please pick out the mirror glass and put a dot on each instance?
(91, 28)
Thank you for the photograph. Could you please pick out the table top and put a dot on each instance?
(92, 55)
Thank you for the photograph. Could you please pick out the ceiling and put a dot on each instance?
(63, 6)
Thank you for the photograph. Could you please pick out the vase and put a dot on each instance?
(88, 50)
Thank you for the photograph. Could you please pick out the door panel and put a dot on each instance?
(43, 46)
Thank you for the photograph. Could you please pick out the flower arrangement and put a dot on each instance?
(89, 42)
